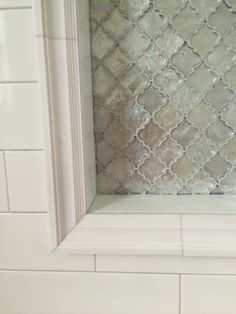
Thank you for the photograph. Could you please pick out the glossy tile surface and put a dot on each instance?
(17, 50)
(20, 117)
(208, 294)
(6, 4)
(209, 235)
(3, 186)
(26, 181)
(111, 292)
(164, 96)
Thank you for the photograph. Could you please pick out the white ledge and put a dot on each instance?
(165, 204)
(125, 234)
(152, 232)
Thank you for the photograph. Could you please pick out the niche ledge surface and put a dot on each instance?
(156, 225)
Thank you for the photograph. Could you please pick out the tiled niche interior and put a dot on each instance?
(164, 83)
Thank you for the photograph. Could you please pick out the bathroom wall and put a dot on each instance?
(35, 281)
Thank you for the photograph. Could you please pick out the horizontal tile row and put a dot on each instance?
(23, 181)
(165, 264)
(57, 292)
(27, 236)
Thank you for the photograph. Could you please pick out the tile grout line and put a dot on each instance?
(18, 82)
(22, 212)
(16, 8)
(6, 181)
(56, 37)
(97, 212)
(116, 272)
(22, 150)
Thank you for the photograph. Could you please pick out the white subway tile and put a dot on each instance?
(25, 245)
(20, 117)
(26, 181)
(208, 295)
(17, 50)
(15, 3)
(165, 264)
(88, 293)
(3, 186)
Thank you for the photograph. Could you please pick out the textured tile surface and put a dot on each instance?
(164, 95)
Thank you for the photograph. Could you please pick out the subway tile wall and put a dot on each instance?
(32, 280)
(22, 173)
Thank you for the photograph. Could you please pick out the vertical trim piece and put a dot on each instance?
(70, 169)
(86, 102)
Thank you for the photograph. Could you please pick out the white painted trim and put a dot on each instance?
(64, 66)
(65, 78)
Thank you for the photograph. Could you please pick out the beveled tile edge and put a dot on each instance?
(161, 234)
(209, 236)
(125, 234)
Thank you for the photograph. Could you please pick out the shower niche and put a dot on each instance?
(140, 124)
(164, 103)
